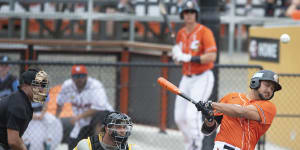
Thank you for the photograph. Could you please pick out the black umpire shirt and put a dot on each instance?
(15, 113)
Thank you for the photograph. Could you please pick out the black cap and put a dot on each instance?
(28, 76)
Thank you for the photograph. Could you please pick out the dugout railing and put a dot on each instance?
(89, 25)
(147, 103)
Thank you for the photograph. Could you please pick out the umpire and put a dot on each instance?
(16, 111)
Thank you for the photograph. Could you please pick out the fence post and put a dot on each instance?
(164, 96)
(124, 82)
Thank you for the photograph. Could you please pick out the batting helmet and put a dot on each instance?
(265, 75)
(189, 5)
(115, 121)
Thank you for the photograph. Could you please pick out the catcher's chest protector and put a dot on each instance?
(95, 142)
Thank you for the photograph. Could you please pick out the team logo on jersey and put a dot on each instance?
(195, 45)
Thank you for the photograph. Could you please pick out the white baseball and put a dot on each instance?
(285, 38)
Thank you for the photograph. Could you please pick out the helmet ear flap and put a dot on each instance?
(254, 83)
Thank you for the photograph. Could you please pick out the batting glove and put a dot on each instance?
(179, 56)
(206, 109)
(204, 105)
(184, 57)
(176, 51)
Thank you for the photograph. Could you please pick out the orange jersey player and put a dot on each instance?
(196, 49)
(243, 118)
(200, 44)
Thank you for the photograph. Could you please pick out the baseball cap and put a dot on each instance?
(78, 70)
(28, 76)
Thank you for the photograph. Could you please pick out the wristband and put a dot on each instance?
(196, 59)
(208, 130)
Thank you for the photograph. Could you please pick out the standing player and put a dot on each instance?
(87, 96)
(196, 49)
(244, 118)
(114, 134)
(16, 111)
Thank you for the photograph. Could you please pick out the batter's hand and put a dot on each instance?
(206, 109)
(179, 56)
(184, 57)
(176, 51)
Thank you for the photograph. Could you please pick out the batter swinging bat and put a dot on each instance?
(163, 12)
(174, 89)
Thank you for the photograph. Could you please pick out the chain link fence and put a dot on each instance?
(144, 99)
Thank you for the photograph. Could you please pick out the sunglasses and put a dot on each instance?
(77, 76)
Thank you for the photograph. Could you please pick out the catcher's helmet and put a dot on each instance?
(118, 122)
(189, 5)
(265, 75)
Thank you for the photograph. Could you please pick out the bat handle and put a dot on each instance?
(188, 98)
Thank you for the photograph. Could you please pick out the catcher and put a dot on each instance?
(243, 118)
(114, 134)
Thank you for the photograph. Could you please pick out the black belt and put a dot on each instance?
(191, 75)
(228, 147)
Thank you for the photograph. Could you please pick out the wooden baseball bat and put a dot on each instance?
(174, 89)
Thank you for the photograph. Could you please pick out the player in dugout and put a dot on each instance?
(16, 110)
(114, 134)
(243, 118)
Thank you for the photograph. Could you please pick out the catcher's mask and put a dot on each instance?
(119, 128)
(265, 75)
(189, 5)
(38, 79)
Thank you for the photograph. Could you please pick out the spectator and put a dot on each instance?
(293, 10)
(87, 96)
(8, 82)
(270, 8)
(126, 6)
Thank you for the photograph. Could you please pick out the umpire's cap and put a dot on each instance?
(189, 5)
(28, 76)
(265, 75)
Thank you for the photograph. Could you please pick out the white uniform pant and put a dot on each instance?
(187, 118)
(48, 130)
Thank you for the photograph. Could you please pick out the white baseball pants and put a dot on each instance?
(187, 118)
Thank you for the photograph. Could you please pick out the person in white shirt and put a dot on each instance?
(87, 96)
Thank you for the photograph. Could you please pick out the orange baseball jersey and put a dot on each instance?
(244, 133)
(296, 15)
(196, 43)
